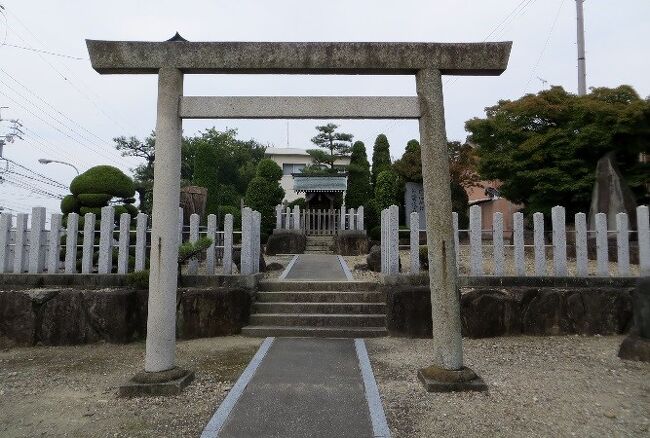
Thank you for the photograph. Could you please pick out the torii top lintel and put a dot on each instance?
(144, 57)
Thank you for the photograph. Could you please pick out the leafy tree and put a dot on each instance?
(387, 189)
(143, 173)
(409, 167)
(463, 164)
(380, 157)
(359, 191)
(544, 147)
(223, 164)
(264, 193)
(335, 145)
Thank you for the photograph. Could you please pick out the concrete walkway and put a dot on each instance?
(297, 387)
(319, 267)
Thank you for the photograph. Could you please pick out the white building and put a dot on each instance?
(293, 160)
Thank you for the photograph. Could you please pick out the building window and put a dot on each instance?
(288, 169)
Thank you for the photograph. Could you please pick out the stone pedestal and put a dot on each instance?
(170, 382)
(436, 379)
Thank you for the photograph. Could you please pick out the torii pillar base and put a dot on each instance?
(170, 382)
(437, 379)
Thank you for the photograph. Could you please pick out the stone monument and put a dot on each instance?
(611, 194)
(414, 202)
(173, 59)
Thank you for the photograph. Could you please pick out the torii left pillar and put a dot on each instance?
(160, 375)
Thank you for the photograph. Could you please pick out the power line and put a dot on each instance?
(548, 39)
(46, 52)
(91, 144)
(64, 77)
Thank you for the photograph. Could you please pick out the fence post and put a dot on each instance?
(246, 242)
(71, 236)
(180, 225)
(257, 241)
(210, 258)
(88, 245)
(643, 228)
(393, 244)
(5, 236)
(558, 220)
(296, 217)
(497, 243)
(278, 216)
(475, 237)
(540, 244)
(622, 244)
(414, 225)
(105, 262)
(384, 242)
(36, 234)
(518, 240)
(54, 247)
(19, 243)
(193, 265)
(227, 244)
(287, 224)
(361, 221)
(602, 256)
(454, 225)
(581, 245)
(141, 241)
(353, 219)
(342, 218)
(123, 244)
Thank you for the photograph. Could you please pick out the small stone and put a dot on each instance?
(610, 415)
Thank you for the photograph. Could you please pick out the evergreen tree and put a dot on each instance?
(359, 191)
(264, 192)
(387, 189)
(336, 145)
(380, 157)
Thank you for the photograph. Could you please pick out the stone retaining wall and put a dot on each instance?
(494, 311)
(62, 316)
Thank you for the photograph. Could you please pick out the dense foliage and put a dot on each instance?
(380, 157)
(334, 146)
(264, 193)
(98, 187)
(387, 189)
(544, 147)
(359, 191)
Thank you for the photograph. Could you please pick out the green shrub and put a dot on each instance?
(375, 233)
(263, 195)
(300, 202)
(269, 170)
(96, 210)
(223, 210)
(103, 179)
(138, 279)
(94, 199)
(70, 204)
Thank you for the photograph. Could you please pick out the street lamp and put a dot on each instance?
(48, 161)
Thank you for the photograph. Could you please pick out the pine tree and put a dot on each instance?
(380, 157)
(359, 191)
(336, 145)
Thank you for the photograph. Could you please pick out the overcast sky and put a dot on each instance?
(71, 113)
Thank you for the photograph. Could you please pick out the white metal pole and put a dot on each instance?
(582, 67)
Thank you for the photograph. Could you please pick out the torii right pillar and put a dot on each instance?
(447, 372)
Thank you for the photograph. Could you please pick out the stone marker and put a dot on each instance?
(637, 344)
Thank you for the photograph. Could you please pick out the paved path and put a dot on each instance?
(303, 388)
(319, 267)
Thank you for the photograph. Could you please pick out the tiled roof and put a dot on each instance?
(320, 183)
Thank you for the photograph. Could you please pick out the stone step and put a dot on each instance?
(320, 297)
(317, 320)
(319, 286)
(314, 332)
(320, 308)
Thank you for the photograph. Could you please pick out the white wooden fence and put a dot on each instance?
(487, 247)
(319, 221)
(35, 249)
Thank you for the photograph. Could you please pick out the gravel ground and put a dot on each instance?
(538, 387)
(72, 391)
(488, 264)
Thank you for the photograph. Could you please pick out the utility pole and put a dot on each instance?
(582, 67)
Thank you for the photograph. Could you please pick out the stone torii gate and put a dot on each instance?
(172, 59)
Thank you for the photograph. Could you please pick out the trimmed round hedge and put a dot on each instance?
(269, 170)
(103, 179)
(70, 204)
(94, 199)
